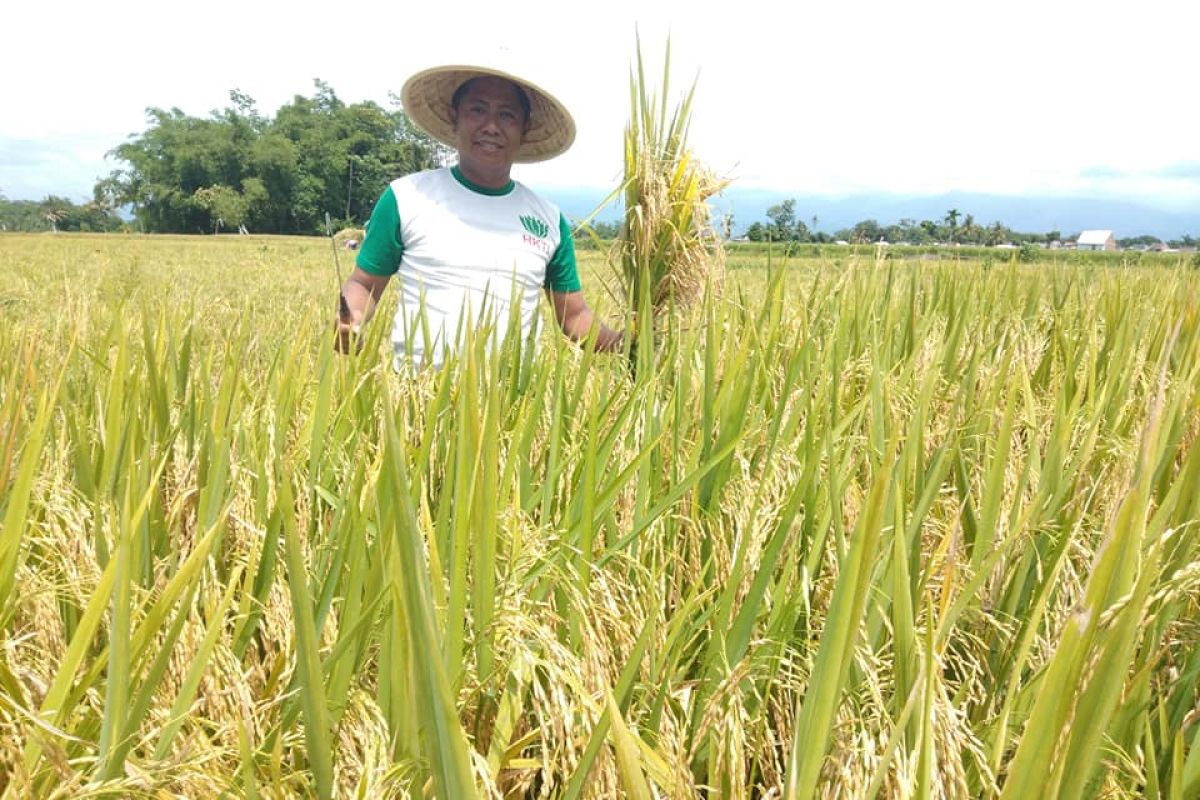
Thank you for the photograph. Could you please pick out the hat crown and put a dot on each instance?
(426, 100)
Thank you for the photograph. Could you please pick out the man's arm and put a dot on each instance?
(576, 320)
(362, 291)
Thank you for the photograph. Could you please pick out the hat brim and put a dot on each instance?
(426, 100)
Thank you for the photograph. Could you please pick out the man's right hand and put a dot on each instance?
(347, 333)
(356, 305)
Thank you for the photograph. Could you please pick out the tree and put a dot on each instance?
(952, 223)
(54, 210)
(783, 221)
(95, 217)
(226, 206)
(970, 231)
(277, 175)
(907, 229)
(1137, 241)
(57, 214)
(995, 234)
(866, 232)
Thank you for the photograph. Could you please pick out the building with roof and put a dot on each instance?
(1096, 240)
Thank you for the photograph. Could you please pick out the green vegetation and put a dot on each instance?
(784, 226)
(866, 528)
(988, 257)
(1148, 241)
(57, 214)
(272, 175)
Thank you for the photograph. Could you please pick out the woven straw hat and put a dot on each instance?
(426, 100)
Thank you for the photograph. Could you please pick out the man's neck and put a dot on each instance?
(479, 188)
(488, 179)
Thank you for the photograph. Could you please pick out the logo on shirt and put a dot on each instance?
(536, 231)
(535, 226)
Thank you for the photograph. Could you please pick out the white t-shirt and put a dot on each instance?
(463, 253)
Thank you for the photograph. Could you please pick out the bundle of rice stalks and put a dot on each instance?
(669, 251)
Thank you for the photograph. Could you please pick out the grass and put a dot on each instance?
(870, 528)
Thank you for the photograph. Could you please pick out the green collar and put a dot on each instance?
(475, 187)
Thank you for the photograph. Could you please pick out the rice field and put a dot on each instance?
(862, 527)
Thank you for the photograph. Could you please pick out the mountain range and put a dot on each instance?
(1024, 214)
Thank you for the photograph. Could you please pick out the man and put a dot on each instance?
(468, 240)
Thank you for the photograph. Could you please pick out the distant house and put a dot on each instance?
(1096, 240)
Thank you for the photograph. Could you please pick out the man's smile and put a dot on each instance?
(489, 122)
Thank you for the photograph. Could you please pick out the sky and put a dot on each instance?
(1043, 97)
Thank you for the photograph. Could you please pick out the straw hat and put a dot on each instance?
(426, 100)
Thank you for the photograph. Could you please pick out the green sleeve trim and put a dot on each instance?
(562, 273)
(383, 245)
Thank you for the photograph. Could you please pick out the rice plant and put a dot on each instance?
(668, 251)
(874, 529)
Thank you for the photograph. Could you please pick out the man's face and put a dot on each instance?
(489, 124)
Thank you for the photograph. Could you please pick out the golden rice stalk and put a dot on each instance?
(668, 249)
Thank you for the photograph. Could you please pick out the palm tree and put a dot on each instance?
(952, 221)
(53, 215)
(995, 234)
(970, 230)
